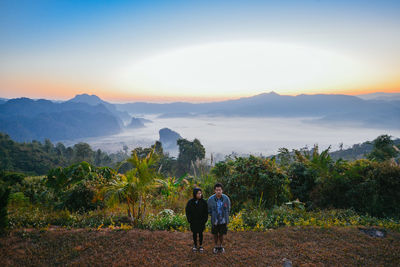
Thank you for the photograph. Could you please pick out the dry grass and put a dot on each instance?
(303, 246)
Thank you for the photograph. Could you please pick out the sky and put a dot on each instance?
(162, 51)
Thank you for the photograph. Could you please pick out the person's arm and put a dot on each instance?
(205, 213)
(229, 204)
(229, 207)
(188, 212)
(209, 206)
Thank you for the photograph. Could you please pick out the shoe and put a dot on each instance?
(201, 249)
(222, 250)
(194, 249)
(215, 250)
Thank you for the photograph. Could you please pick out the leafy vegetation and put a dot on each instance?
(76, 186)
(189, 152)
(295, 188)
(134, 187)
(384, 149)
(36, 158)
(261, 220)
(252, 180)
(358, 151)
(4, 193)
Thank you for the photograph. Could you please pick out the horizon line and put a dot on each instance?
(164, 99)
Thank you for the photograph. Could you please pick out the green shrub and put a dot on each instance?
(165, 220)
(39, 217)
(387, 195)
(18, 198)
(81, 197)
(4, 194)
(252, 217)
(286, 216)
(245, 180)
(302, 181)
(34, 187)
(76, 186)
(11, 178)
(365, 186)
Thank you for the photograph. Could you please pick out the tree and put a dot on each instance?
(143, 152)
(134, 187)
(101, 158)
(384, 149)
(69, 154)
(189, 152)
(48, 146)
(284, 157)
(60, 149)
(157, 154)
(302, 181)
(37, 159)
(83, 152)
(76, 186)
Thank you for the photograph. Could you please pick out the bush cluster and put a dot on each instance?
(261, 220)
(245, 220)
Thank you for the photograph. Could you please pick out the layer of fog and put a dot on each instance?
(221, 135)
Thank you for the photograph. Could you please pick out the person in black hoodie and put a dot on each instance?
(197, 216)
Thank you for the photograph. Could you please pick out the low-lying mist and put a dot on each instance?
(223, 135)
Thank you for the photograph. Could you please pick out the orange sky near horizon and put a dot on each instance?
(63, 91)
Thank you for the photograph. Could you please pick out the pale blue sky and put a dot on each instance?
(55, 49)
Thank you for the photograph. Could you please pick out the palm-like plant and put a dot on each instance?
(175, 189)
(134, 186)
(172, 185)
(321, 162)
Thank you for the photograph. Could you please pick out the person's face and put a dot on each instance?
(198, 194)
(218, 191)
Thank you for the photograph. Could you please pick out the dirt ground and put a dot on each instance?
(302, 246)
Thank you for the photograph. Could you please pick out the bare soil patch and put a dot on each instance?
(303, 246)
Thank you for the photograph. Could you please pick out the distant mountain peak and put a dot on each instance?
(272, 93)
(168, 138)
(269, 95)
(86, 98)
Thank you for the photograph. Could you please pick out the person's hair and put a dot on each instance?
(218, 185)
(196, 190)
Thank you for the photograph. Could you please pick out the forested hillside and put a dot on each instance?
(25, 119)
(38, 158)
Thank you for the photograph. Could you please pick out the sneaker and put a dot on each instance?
(222, 250)
(194, 249)
(215, 250)
(201, 249)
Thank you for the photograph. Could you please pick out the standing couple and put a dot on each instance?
(197, 210)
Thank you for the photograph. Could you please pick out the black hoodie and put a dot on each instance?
(197, 212)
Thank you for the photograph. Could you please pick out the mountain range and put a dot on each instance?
(324, 108)
(93, 100)
(24, 119)
(380, 96)
(86, 115)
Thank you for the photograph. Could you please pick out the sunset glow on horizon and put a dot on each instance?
(126, 51)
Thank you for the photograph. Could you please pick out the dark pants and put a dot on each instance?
(200, 238)
(219, 229)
